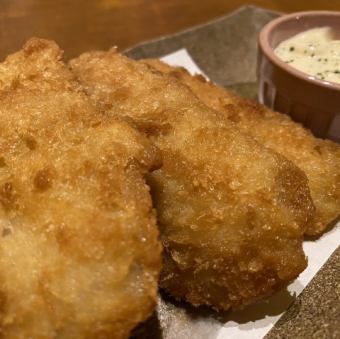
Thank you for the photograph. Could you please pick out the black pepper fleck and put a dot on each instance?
(291, 48)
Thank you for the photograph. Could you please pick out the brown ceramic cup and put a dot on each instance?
(311, 102)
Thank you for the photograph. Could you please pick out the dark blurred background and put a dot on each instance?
(79, 25)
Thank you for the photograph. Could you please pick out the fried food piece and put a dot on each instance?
(319, 159)
(79, 252)
(231, 212)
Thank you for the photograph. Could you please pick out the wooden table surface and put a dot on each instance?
(80, 25)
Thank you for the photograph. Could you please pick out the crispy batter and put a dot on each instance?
(79, 255)
(231, 212)
(319, 159)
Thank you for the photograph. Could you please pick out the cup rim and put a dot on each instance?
(269, 51)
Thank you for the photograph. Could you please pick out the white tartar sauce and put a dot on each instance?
(314, 52)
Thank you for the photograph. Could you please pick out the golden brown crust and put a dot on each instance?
(319, 159)
(231, 212)
(79, 253)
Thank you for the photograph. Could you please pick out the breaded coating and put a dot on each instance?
(79, 253)
(319, 159)
(231, 212)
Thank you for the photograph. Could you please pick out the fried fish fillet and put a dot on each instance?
(319, 159)
(79, 252)
(231, 212)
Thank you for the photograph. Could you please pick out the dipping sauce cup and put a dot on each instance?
(309, 101)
